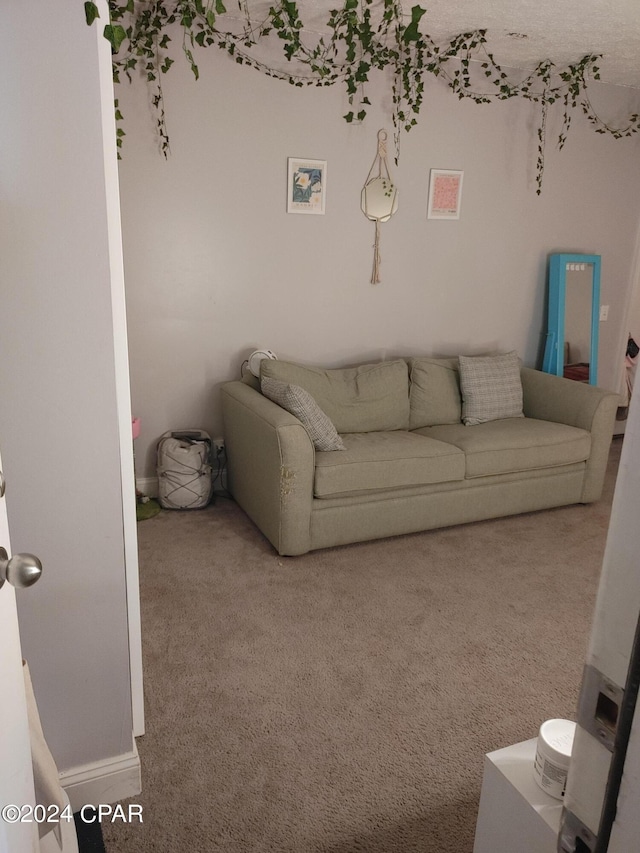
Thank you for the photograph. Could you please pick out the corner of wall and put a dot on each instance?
(106, 781)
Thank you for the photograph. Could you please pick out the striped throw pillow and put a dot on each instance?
(300, 403)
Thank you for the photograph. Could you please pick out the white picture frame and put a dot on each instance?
(445, 193)
(306, 186)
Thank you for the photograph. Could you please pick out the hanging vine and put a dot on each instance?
(358, 38)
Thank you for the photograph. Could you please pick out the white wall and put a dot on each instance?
(59, 418)
(215, 266)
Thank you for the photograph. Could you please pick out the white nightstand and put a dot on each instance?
(515, 814)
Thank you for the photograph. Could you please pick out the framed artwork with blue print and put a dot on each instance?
(306, 185)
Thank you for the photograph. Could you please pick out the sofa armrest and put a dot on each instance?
(553, 398)
(270, 466)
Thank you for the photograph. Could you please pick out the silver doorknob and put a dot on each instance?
(22, 570)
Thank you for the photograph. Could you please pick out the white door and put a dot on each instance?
(590, 811)
(16, 774)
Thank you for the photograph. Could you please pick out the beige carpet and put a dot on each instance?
(343, 701)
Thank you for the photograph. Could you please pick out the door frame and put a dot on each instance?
(122, 377)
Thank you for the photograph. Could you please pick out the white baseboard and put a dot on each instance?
(107, 781)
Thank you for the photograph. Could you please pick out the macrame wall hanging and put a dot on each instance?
(379, 199)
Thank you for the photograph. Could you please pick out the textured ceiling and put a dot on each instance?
(521, 33)
(560, 30)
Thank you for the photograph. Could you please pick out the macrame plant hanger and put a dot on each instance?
(379, 199)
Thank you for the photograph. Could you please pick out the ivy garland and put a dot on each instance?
(362, 36)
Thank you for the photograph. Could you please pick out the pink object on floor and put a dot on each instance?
(135, 425)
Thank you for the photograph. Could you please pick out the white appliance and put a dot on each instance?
(253, 362)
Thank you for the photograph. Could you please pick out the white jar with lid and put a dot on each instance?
(553, 755)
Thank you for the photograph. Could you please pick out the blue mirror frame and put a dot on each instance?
(555, 344)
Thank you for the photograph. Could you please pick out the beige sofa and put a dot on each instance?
(410, 463)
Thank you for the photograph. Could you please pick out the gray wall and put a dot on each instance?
(59, 418)
(215, 266)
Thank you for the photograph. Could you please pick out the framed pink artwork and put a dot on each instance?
(445, 194)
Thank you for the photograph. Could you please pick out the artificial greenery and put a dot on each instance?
(360, 37)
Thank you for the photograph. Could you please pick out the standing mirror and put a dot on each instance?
(574, 314)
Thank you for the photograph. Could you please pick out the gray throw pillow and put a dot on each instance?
(491, 388)
(300, 403)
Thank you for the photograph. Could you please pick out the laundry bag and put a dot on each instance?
(185, 479)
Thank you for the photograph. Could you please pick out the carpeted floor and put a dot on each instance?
(342, 702)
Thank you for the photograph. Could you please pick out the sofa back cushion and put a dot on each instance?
(435, 392)
(366, 398)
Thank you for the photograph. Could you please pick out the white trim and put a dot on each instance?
(633, 295)
(106, 781)
(123, 391)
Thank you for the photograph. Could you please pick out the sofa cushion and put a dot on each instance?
(367, 398)
(296, 400)
(491, 388)
(435, 392)
(514, 444)
(386, 460)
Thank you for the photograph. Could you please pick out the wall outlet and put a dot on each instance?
(604, 312)
(218, 447)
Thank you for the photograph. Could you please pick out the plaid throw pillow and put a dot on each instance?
(491, 388)
(300, 403)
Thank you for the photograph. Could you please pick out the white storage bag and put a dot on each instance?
(184, 471)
